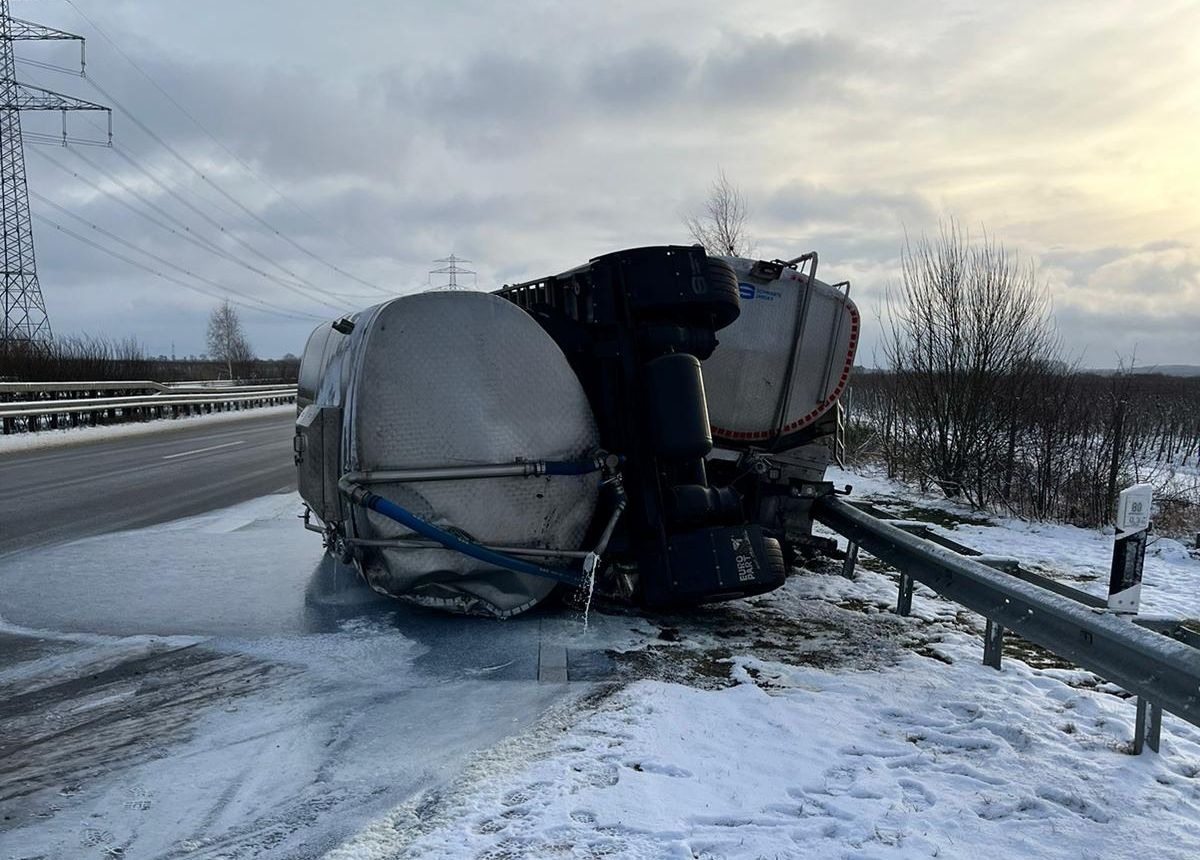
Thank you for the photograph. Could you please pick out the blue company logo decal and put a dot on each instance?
(749, 291)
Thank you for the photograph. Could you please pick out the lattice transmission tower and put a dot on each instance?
(453, 270)
(24, 317)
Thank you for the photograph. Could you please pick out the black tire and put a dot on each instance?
(776, 566)
(723, 292)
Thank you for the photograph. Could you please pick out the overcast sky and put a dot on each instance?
(531, 136)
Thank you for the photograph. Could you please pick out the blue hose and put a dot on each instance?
(427, 529)
(573, 467)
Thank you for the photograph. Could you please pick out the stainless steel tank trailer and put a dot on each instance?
(474, 451)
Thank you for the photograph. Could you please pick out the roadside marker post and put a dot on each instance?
(1125, 592)
(1129, 549)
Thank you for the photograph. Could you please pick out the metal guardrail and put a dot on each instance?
(30, 415)
(1158, 669)
(82, 385)
(52, 388)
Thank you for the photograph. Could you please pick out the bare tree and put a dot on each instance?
(226, 339)
(969, 337)
(720, 225)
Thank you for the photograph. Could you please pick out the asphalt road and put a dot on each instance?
(184, 672)
(59, 494)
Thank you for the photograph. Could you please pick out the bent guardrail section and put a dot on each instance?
(1159, 669)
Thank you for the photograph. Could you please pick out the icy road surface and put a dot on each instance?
(213, 687)
(64, 485)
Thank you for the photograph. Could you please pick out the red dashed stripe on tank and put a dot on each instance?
(822, 407)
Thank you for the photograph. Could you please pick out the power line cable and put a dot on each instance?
(118, 255)
(313, 291)
(224, 211)
(232, 155)
(50, 67)
(165, 262)
(166, 188)
(188, 235)
(44, 139)
(296, 279)
(161, 260)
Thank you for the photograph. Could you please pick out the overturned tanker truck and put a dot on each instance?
(654, 424)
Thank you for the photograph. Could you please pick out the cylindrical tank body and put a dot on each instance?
(785, 320)
(312, 363)
(451, 379)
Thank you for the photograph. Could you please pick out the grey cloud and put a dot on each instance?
(494, 104)
(788, 72)
(490, 88)
(804, 203)
(644, 76)
(1098, 337)
(501, 103)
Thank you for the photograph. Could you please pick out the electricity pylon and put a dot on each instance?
(24, 317)
(452, 270)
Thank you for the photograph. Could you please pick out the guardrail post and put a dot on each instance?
(851, 560)
(904, 599)
(993, 644)
(1147, 731)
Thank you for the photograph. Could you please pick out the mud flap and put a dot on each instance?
(714, 564)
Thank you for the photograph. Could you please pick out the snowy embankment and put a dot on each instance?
(812, 722)
(71, 436)
(1080, 557)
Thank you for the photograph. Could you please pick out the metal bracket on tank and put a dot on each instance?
(307, 517)
(837, 324)
(794, 356)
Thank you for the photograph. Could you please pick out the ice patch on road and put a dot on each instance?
(242, 570)
(303, 707)
(267, 511)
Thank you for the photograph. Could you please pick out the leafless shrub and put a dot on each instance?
(969, 337)
(720, 225)
(976, 399)
(87, 357)
(96, 358)
(1065, 446)
(227, 341)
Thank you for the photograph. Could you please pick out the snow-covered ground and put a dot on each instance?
(73, 435)
(1081, 557)
(811, 722)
